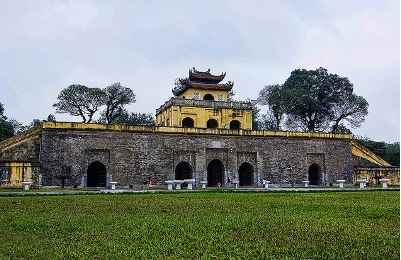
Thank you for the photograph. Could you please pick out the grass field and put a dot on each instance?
(208, 225)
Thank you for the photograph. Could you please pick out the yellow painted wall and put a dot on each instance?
(361, 151)
(174, 115)
(369, 175)
(14, 173)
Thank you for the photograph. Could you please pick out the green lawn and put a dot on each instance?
(208, 225)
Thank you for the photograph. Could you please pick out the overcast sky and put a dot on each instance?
(45, 46)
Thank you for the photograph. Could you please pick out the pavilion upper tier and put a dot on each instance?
(202, 80)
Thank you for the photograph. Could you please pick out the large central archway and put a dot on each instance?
(245, 172)
(183, 171)
(96, 175)
(314, 174)
(215, 170)
(235, 124)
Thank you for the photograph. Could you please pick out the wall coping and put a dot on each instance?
(20, 138)
(189, 131)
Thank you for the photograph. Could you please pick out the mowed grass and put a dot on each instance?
(202, 225)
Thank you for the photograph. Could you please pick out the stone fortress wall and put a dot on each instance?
(132, 155)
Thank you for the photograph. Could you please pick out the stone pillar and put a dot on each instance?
(113, 185)
(178, 184)
(384, 183)
(169, 184)
(203, 183)
(26, 184)
(362, 183)
(341, 182)
(190, 182)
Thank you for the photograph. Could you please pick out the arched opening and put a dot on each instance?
(314, 174)
(245, 172)
(235, 124)
(215, 170)
(183, 171)
(208, 97)
(211, 123)
(187, 122)
(96, 175)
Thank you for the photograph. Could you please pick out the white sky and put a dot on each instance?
(45, 46)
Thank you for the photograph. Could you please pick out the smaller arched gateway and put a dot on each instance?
(314, 174)
(183, 170)
(188, 122)
(212, 123)
(96, 175)
(235, 124)
(245, 173)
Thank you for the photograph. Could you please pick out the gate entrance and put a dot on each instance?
(235, 124)
(245, 174)
(188, 122)
(183, 171)
(314, 173)
(215, 171)
(96, 175)
(211, 123)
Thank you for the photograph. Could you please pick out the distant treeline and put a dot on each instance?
(389, 152)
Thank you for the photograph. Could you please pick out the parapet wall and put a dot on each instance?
(192, 131)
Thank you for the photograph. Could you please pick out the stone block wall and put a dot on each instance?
(131, 158)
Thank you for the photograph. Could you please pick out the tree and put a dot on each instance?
(22, 128)
(389, 152)
(51, 118)
(272, 95)
(116, 97)
(2, 111)
(255, 118)
(311, 95)
(6, 129)
(267, 122)
(79, 100)
(126, 118)
(393, 154)
(230, 95)
(314, 100)
(352, 109)
(341, 129)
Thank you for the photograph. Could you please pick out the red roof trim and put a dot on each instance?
(205, 76)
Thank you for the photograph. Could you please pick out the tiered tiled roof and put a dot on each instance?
(202, 80)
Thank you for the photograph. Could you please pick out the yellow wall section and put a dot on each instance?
(16, 173)
(174, 115)
(189, 93)
(361, 151)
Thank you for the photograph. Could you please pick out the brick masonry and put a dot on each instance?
(131, 158)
